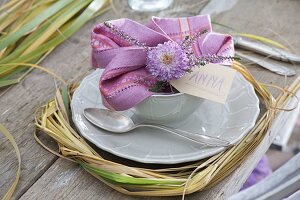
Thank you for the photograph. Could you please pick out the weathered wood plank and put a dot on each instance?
(66, 180)
(277, 20)
(19, 103)
(250, 21)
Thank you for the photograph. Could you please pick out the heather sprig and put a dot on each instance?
(170, 60)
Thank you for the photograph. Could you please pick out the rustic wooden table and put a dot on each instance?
(45, 176)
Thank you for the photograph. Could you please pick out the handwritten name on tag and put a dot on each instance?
(211, 81)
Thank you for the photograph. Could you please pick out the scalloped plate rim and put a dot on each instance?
(146, 159)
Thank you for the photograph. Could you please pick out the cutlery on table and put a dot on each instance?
(274, 67)
(115, 122)
(262, 49)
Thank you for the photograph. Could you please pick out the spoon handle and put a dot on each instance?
(199, 138)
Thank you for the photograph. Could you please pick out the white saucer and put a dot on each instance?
(230, 121)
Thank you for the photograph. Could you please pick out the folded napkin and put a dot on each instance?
(125, 81)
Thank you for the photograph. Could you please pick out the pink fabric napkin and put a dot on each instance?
(125, 81)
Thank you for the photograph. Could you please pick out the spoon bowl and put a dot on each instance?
(109, 120)
(115, 122)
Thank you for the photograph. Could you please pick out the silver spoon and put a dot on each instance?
(116, 122)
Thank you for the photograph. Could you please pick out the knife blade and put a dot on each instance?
(274, 67)
(260, 48)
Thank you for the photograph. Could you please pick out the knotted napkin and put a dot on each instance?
(125, 81)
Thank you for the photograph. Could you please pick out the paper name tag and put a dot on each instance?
(211, 81)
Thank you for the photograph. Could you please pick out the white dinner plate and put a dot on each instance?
(230, 121)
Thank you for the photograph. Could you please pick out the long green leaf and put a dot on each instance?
(72, 28)
(55, 25)
(32, 37)
(26, 39)
(66, 99)
(25, 44)
(9, 39)
(19, 73)
(119, 178)
(15, 77)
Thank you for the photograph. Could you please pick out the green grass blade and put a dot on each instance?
(10, 9)
(15, 77)
(27, 16)
(63, 20)
(34, 36)
(56, 24)
(9, 39)
(119, 178)
(19, 73)
(70, 30)
(6, 83)
(66, 99)
(25, 44)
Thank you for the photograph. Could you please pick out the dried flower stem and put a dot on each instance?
(131, 40)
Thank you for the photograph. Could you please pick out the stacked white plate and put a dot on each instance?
(230, 121)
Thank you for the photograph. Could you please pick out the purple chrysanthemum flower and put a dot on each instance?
(167, 61)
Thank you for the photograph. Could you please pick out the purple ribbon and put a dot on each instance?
(125, 81)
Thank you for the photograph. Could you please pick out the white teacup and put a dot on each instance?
(167, 108)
